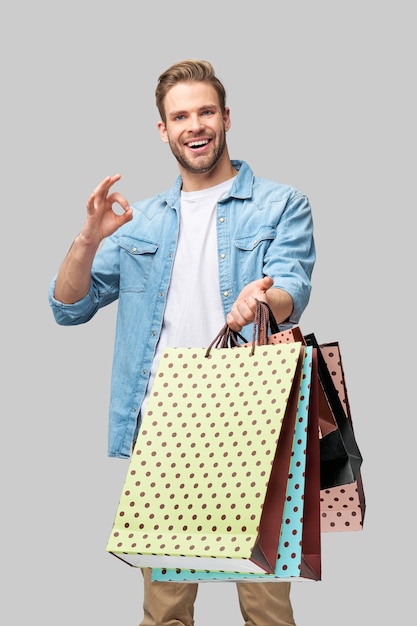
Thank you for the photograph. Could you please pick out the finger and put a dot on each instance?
(249, 307)
(231, 322)
(90, 202)
(123, 218)
(111, 180)
(102, 189)
(117, 198)
(268, 282)
(243, 312)
(262, 286)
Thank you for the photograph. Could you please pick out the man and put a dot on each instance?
(180, 264)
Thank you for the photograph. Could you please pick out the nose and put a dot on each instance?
(195, 123)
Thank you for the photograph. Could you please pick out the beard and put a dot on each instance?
(202, 164)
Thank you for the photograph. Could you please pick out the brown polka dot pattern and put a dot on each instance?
(342, 508)
(199, 472)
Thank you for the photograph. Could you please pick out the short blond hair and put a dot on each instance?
(183, 71)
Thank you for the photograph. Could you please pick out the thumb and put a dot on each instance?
(266, 283)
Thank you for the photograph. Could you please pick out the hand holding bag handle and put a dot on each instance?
(263, 325)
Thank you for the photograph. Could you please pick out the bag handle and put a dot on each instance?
(264, 324)
(225, 338)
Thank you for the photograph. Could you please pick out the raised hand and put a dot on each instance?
(102, 220)
(73, 280)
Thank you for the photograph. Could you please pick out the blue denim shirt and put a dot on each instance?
(264, 228)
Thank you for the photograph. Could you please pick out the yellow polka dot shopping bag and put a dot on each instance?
(299, 549)
(207, 481)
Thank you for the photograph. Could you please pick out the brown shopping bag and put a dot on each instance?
(216, 437)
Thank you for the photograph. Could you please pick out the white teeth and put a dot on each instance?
(197, 144)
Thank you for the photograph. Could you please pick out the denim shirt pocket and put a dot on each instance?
(250, 242)
(251, 249)
(136, 260)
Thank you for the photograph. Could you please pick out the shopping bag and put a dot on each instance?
(299, 550)
(204, 483)
(340, 457)
(342, 507)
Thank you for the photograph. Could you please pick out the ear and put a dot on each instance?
(226, 119)
(163, 131)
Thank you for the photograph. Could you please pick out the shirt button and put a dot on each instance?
(223, 256)
(134, 249)
(221, 220)
(225, 293)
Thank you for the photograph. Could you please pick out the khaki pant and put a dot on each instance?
(172, 604)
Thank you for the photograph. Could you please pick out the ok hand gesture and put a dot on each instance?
(101, 220)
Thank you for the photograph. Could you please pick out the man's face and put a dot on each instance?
(195, 126)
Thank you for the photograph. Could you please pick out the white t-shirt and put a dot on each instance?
(194, 311)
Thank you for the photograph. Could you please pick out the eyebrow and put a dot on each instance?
(184, 111)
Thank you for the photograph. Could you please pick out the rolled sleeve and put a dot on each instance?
(72, 314)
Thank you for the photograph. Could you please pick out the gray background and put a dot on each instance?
(321, 97)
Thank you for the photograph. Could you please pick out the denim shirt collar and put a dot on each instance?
(241, 188)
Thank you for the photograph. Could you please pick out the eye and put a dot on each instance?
(179, 117)
(207, 112)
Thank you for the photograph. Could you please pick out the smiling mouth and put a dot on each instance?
(198, 144)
